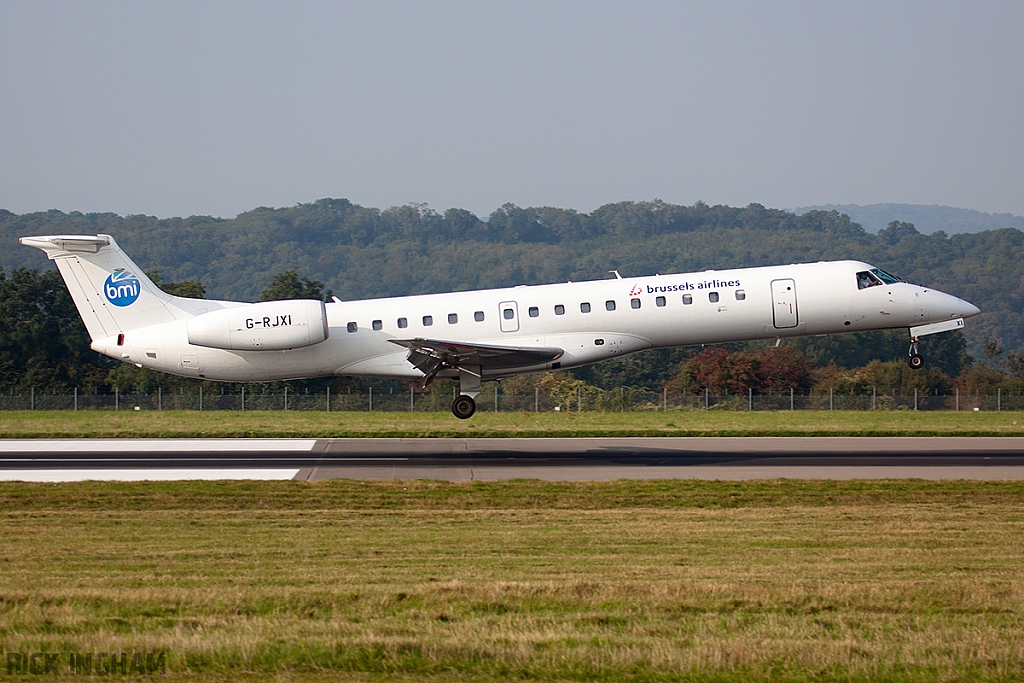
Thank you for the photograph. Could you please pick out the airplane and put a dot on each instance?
(480, 335)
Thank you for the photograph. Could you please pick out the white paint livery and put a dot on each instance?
(487, 334)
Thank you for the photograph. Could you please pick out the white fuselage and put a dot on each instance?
(649, 312)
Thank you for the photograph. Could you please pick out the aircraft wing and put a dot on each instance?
(433, 355)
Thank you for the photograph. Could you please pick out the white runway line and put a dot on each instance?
(53, 476)
(153, 445)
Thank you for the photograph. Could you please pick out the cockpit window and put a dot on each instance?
(885, 277)
(866, 279)
(875, 277)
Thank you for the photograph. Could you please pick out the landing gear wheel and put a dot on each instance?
(463, 407)
(915, 361)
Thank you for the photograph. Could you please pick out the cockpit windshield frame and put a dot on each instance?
(876, 277)
(886, 277)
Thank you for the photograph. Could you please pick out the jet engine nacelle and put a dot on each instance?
(266, 326)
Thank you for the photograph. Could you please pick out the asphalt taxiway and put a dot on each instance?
(461, 459)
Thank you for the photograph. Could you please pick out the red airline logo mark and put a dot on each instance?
(637, 289)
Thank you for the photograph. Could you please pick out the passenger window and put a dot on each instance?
(378, 325)
(634, 303)
(534, 311)
(609, 305)
(687, 299)
(660, 302)
(478, 316)
(352, 327)
(403, 323)
(559, 309)
(453, 318)
(585, 307)
(508, 314)
(713, 297)
(428, 320)
(740, 295)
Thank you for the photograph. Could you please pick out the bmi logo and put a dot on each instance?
(121, 288)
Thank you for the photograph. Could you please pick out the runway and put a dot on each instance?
(586, 459)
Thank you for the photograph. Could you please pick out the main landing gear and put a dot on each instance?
(464, 404)
(915, 360)
(463, 407)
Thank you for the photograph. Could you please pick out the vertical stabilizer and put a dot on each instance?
(112, 294)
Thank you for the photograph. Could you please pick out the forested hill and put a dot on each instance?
(365, 252)
(926, 218)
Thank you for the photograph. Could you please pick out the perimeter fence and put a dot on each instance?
(588, 399)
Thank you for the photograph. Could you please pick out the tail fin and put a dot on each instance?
(112, 294)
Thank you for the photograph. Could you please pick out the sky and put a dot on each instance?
(215, 108)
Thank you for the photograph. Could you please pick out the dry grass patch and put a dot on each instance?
(125, 423)
(789, 581)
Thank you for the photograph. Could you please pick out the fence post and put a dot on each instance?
(999, 399)
(286, 398)
(874, 397)
(791, 399)
(957, 399)
(536, 399)
(328, 399)
(707, 400)
(496, 385)
(830, 399)
(371, 399)
(579, 399)
(117, 399)
(750, 399)
(32, 400)
(664, 399)
(243, 396)
(76, 399)
(915, 398)
(201, 399)
(159, 398)
(412, 398)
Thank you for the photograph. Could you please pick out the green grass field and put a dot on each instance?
(68, 424)
(427, 581)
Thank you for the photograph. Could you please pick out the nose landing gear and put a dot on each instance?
(915, 360)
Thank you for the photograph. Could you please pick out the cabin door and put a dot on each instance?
(508, 314)
(784, 303)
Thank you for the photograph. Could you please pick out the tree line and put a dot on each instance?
(333, 246)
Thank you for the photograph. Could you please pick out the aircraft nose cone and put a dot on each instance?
(942, 306)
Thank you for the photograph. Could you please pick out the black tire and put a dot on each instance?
(463, 407)
(915, 361)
